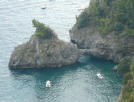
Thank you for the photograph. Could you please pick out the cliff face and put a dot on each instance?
(42, 53)
(106, 30)
(109, 47)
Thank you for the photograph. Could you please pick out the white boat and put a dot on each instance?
(100, 76)
(43, 7)
(48, 84)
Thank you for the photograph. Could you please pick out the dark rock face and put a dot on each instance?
(110, 47)
(40, 53)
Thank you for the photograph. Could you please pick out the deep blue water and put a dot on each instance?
(75, 83)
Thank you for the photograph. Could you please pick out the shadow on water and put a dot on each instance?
(36, 78)
(68, 77)
(83, 61)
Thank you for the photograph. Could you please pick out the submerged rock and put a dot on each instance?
(115, 68)
(42, 53)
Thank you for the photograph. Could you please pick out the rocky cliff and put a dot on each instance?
(104, 33)
(42, 53)
(110, 47)
(106, 30)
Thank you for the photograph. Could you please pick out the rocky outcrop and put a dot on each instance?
(42, 53)
(103, 35)
(110, 47)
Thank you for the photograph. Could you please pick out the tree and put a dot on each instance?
(124, 66)
(42, 31)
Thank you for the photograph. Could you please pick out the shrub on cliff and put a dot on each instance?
(83, 20)
(127, 77)
(117, 16)
(128, 92)
(124, 66)
(132, 66)
(42, 31)
(128, 85)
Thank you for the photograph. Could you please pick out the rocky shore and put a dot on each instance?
(110, 47)
(103, 32)
(42, 53)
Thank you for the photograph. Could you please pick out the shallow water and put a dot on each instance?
(75, 83)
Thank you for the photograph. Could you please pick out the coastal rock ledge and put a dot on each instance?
(42, 53)
(110, 47)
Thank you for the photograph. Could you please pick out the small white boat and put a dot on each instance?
(48, 84)
(100, 76)
(43, 7)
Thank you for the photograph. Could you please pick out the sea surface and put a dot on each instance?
(75, 83)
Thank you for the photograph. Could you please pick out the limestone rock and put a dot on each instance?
(42, 53)
(110, 47)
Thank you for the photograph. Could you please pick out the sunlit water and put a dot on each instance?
(75, 83)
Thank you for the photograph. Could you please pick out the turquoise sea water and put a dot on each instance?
(75, 83)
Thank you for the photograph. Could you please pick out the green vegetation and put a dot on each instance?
(83, 20)
(42, 31)
(109, 16)
(128, 81)
(123, 66)
(114, 16)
